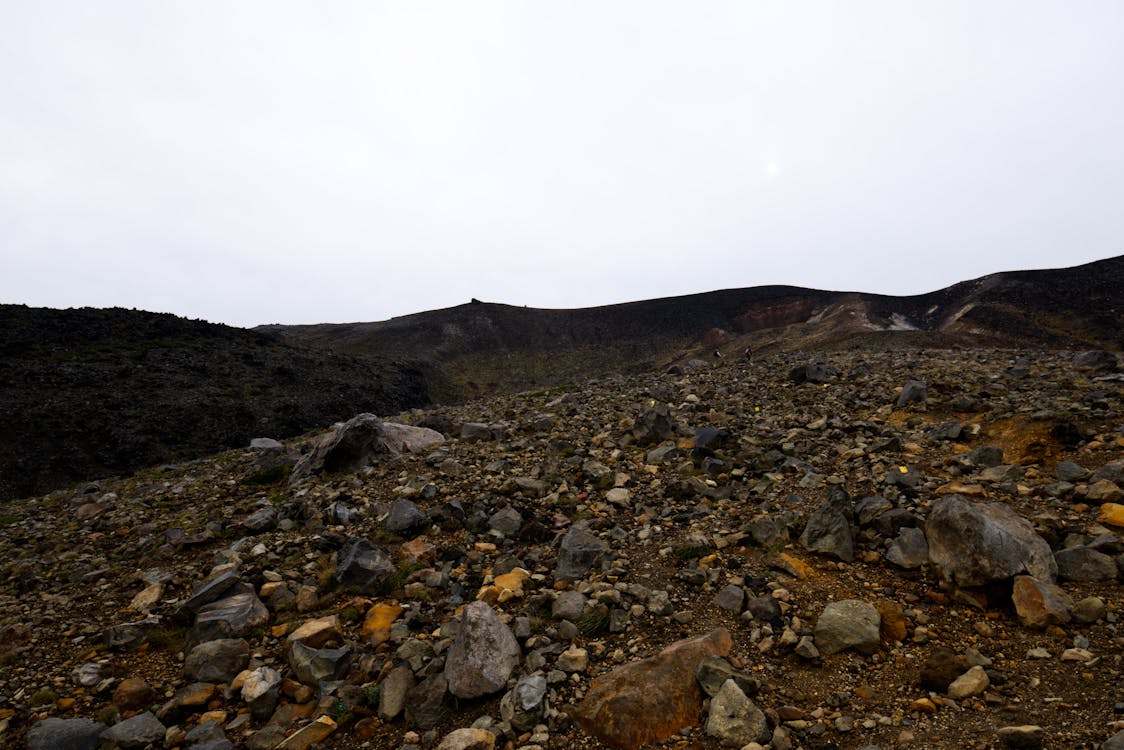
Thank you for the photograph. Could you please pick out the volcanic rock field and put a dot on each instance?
(907, 549)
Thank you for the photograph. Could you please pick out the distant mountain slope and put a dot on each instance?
(90, 392)
(483, 347)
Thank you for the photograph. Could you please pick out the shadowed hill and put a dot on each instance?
(482, 347)
(91, 392)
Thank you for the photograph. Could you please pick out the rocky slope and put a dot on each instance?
(884, 550)
(481, 348)
(89, 392)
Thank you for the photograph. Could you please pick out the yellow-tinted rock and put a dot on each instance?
(1112, 514)
(505, 587)
(376, 626)
(317, 633)
(309, 735)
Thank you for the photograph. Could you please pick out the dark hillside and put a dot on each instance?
(89, 392)
(480, 347)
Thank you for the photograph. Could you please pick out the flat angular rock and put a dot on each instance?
(1085, 565)
(468, 738)
(973, 544)
(476, 431)
(734, 719)
(914, 391)
(524, 704)
(425, 702)
(973, 682)
(1104, 491)
(129, 635)
(345, 447)
(394, 689)
(1039, 604)
(405, 518)
(211, 590)
(850, 623)
(318, 633)
(309, 735)
(217, 661)
(137, 732)
(483, 655)
(713, 671)
(362, 568)
(65, 734)
(315, 665)
(1068, 471)
(261, 520)
(406, 438)
(655, 424)
(909, 550)
(622, 708)
(260, 690)
(234, 616)
(578, 552)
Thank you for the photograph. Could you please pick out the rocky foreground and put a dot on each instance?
(900, 550)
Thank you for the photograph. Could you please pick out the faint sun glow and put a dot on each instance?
(772, 168)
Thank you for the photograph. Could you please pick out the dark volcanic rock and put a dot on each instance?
(362, 568)
(65, 734)
(579, 552)
(828, 530)
(345, 447)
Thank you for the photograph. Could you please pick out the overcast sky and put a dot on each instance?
(258, 162)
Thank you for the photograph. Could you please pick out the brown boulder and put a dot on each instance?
(650, 700)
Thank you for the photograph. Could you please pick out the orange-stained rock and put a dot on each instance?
(794, 566)
(652, 699)
(893, 626)
(418, 551)
(1039, 604)
(376, 626)
(1112, 514)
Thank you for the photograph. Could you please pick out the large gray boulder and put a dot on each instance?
(973, 544)
(346, 447)
(483, 655)
(65, 734)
